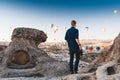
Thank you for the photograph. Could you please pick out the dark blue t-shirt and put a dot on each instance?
(70, 37)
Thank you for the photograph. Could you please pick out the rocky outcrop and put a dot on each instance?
(114, 53)
(108, 72)
(105, 67)
(23, 58)
(34, 36)
(21, 52)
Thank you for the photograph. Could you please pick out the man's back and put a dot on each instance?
(71, 35)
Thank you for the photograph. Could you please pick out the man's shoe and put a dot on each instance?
(72, 72)
(75, 72)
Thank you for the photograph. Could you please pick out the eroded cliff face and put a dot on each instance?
(23, 57)
(114, 53)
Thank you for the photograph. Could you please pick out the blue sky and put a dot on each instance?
(39, 14)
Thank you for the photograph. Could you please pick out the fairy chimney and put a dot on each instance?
(20, 52)
(23, 58)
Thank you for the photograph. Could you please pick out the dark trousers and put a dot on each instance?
(77, 54)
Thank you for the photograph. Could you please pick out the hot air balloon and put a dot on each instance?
(65, 28)
(90, 49)
(46, 43)
(87, 47)
(55, 29)
(51, 25)
(115, 11)
(98, 48)
(87, 28)
(103, 30)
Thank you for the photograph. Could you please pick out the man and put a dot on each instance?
(72, 38)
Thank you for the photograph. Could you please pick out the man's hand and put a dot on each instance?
(81, 51)
(80, 47)
(78, 42)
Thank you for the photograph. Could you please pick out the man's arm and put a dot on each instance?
(78, 42)
(66, 36)
(77, 39)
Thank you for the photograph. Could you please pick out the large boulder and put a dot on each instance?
(20, 53)
(23, 57)
(32, 35)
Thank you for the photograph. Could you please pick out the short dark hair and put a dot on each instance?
(73, 21)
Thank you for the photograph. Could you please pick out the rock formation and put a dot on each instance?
(23, 58)
(110, 70)
(2, 47)
(105, 67)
